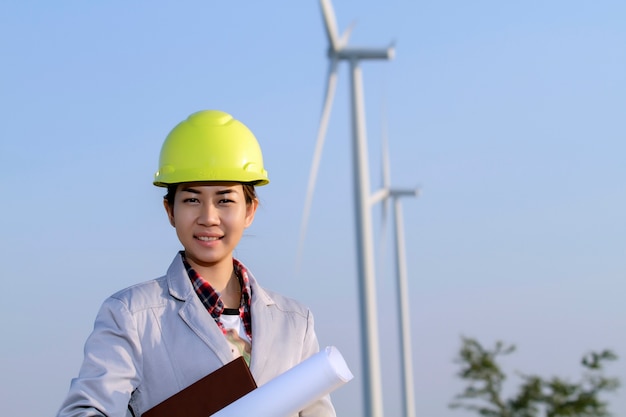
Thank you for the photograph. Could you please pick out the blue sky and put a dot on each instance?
(509, 116)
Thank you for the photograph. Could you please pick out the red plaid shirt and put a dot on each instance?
(211, 298)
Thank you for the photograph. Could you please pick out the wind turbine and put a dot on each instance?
(338, 51)
(387, 195)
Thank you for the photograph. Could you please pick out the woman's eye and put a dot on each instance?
(226, 201)
(190, 200)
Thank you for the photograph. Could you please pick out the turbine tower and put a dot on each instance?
(338, 51)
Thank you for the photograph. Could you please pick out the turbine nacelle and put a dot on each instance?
(362, 53)
(385, 193)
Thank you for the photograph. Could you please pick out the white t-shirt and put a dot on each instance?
(236, 334)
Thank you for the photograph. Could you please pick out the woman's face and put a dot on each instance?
(210, 218)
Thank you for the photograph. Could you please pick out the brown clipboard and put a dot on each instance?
(209, 394)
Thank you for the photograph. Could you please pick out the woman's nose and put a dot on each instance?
(208, 215)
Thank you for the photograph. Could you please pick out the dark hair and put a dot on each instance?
(249, 193)
(171, 193)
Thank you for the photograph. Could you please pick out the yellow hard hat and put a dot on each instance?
(210, 146)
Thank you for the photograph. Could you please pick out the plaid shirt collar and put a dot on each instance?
(211, 298)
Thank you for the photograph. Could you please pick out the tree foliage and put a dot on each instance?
(536, 396)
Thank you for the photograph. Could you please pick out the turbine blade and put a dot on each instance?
(317, 155)
(386, 169)
(385, 164)
(345, 36)
(330, 23)
(386, 182)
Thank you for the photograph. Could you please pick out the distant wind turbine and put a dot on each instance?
(387, 195)
(337, 51)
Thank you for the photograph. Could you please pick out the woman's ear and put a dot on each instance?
(250, 211)
(170, 212)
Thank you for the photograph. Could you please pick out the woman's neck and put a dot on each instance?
(223, 279)
(216, 274)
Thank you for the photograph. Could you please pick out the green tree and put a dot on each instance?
(536, 396)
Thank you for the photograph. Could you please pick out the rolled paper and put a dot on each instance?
(295, 389)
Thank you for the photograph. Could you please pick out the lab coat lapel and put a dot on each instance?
(194, 314)
(204, 326)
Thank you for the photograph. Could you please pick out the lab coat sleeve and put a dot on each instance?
(111, 369)
(322, 407)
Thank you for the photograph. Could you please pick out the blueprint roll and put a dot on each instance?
(293, 390)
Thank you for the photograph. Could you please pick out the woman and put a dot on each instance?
(155, 338)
